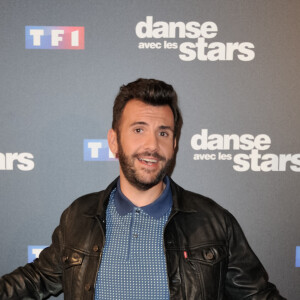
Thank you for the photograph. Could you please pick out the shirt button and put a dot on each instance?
(137, 210)
(135, 235)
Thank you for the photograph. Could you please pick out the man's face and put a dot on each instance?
(145, 143)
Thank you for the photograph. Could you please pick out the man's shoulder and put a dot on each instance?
(92, 203)
(87, 200)
(188, 201)
(85, 205)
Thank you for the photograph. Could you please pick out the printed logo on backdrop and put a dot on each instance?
(246, 151)
(34, 252)
(97, 150)
(54, 37)
(196, 41)
(297, 265)
(21, 161)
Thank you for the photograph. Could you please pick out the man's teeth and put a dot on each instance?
(148, 160)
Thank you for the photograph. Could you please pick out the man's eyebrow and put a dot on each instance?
(138, 123)
(166, 127)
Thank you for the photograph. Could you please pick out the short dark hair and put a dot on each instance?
(150, 91)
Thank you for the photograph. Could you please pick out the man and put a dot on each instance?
(144, 237)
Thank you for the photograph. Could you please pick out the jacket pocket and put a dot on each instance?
(205, 266)
(71, 262)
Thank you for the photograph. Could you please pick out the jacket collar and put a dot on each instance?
(104, 198)
(182, 199)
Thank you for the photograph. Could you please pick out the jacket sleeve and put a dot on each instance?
(246, 277)
(39, 279)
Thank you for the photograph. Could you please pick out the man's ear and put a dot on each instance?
(112, 141)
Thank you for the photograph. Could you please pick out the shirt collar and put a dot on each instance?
(155, 209)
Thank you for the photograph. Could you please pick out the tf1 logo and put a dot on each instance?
(97, 150)
(297, 257)
(34, 252)
(54, 37)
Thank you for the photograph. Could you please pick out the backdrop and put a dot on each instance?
(235, 66)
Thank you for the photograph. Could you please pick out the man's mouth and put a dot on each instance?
(148, 161)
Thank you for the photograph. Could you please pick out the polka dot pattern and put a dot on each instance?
(133, 264)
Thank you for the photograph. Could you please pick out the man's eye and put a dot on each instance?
(163, 133)
(138, 130)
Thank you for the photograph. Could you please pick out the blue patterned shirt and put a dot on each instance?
(133, 265)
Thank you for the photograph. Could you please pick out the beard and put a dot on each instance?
(131, 174)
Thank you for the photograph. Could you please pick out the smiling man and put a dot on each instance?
(144, 142)
(144, 237)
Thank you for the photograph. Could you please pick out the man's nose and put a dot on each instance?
(151, 142)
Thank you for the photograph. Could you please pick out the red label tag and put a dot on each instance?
(185, 254)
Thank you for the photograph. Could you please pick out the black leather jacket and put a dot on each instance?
(207, 255)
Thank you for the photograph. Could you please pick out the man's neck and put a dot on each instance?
(138, 197)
